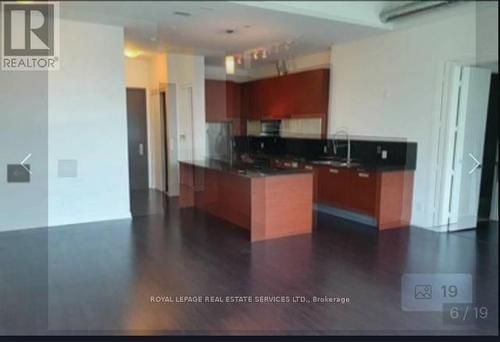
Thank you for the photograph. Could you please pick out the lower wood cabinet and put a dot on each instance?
(385, 196)
(333, 186)
(362, 191)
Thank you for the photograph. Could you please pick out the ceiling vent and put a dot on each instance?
(412, 8)
(182, 14)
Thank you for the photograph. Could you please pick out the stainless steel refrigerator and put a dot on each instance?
(219, 141)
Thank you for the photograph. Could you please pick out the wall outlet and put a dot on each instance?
(262, 145)
(384, 154)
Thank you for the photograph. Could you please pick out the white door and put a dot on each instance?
(185, 120)
(468, 144)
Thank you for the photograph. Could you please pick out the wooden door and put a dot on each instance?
(137, 139)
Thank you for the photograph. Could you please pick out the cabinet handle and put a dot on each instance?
(363, 175)
(334, 171)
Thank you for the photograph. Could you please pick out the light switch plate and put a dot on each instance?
(384, 154)
(17, 173)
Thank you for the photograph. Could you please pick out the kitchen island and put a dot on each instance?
(270, 203)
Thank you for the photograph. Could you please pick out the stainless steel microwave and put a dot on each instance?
(270, 127)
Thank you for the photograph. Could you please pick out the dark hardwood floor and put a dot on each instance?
(99, 277)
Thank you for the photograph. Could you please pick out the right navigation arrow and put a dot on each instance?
(477, 163)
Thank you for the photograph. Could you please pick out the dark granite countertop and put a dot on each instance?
(363, 166)
(244, 170)
(355, 164)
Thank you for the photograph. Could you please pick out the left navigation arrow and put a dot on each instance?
(23, 163)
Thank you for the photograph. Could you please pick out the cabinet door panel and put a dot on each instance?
(233, 100)
(333, 186)
(250, 101)
(215, 100)
(362, 196)
(309, 93)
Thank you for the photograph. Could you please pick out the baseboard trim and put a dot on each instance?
(346, 214)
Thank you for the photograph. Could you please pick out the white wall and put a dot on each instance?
(184, 71)
(23, 130)
(390, 85)
(219, 73)
(487, 32)
(88, 123)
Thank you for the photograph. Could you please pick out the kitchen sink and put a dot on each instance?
(335, 163)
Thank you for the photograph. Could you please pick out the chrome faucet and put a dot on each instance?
(336, 145)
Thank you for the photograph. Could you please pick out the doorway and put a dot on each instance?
(137, 149)
(137, 139)
(186, 138)
(489, 176)
(461, 146)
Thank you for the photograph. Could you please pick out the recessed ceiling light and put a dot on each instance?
(182, 14)
(229, 65)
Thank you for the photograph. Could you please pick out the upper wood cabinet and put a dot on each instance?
(222, 100)
(233, 93)
(299, 95)
(249, 101)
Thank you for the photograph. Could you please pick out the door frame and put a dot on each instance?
(162, 98)
(448, 132)
(189, 89)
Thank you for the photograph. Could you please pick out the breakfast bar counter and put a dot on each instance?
(270, 203)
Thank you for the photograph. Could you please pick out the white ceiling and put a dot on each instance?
(152, 26)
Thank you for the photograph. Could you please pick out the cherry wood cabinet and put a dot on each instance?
(300, 95)
(216, 101)
(249, 101)
(222, 100)
(233, 99)
(351, 189)
(383, 195)
(333, 186)
(362, 191)
(223, 103)
(269, 207)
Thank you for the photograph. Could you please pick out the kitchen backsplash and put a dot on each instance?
(366, 151)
